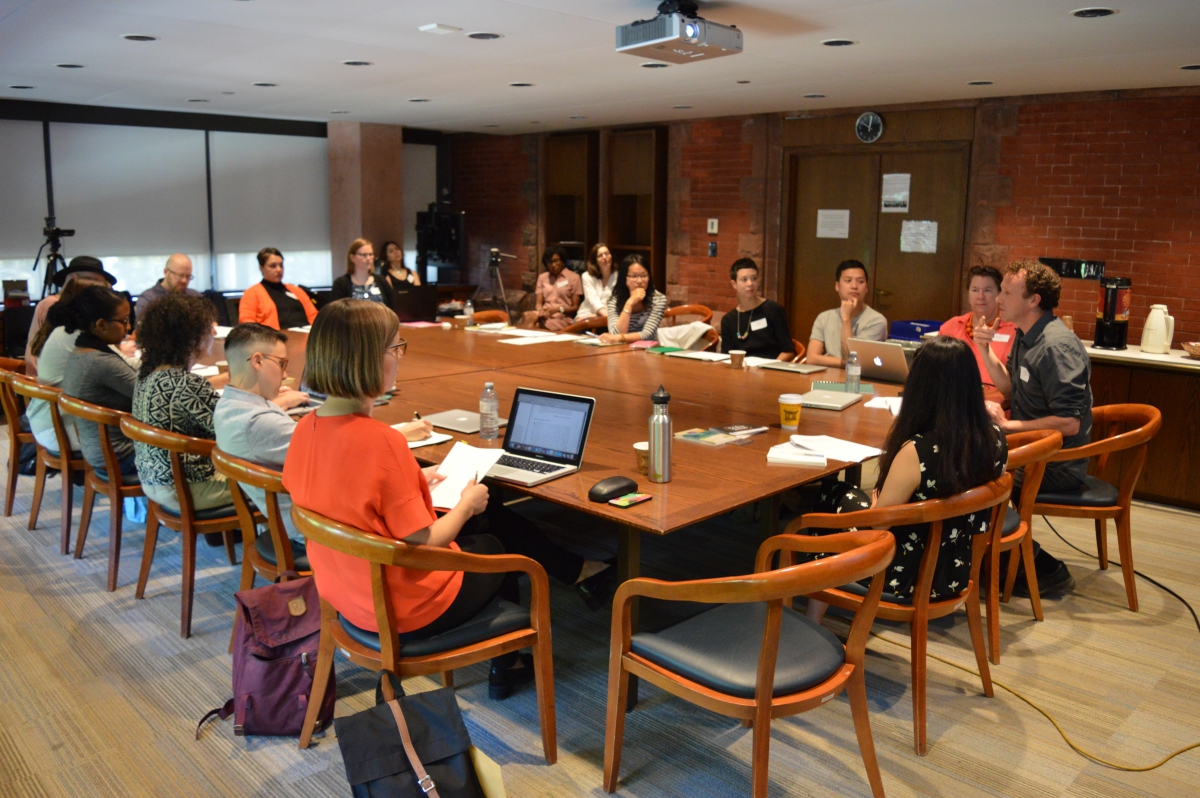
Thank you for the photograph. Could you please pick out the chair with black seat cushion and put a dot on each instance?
(13, 410)
(188, 521)
(992, 497)
(67, 462)
(752, 657)
(1122, 427)
(1028, 450)
(107, 482)
(499, 629)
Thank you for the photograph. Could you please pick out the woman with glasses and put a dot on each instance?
(635, 309)
(357, 470)
(359, 280)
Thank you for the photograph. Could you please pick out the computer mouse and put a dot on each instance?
(611, 488)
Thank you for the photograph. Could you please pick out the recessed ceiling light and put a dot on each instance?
(1093, 13)
(23, 88)
(266, 85)
(139, 37)
(441, 30)
(483, 36)
(197, 100)
(681, 107)
(838, 42)
(574, 117)
(491, 126)
(743, 82)
(339, 112)
(655, 65)
(814, 96)
(69, 66)
(418, 99)
(535, 123)
(1192, 67)
(358, 63)
(520, 85)
(227, 92)
(979, 83)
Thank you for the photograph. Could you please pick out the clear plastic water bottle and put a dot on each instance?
(469, 312)
(853, 374)
(489, 413)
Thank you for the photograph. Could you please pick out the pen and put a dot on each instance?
(416, 416)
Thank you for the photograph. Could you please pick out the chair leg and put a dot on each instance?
(68, 501)
(543, 675)
(147, 553)
(856, 691)
(1010, 578)
(39, 487)
(448, 679)
(14, 463)
(1125, 544)
(320, 680)
(85, 518)
(975, 624)
(919, 634)
(229, 550)
(993, 602)
(189, 582)
(1035, 594)
(760, 757)
(116, 515)
(614, 727)
(1102, 542)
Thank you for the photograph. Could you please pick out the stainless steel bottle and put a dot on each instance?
(660, 438)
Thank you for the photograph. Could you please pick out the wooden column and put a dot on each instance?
(366, 197)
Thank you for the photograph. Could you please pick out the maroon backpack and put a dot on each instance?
(275, 642)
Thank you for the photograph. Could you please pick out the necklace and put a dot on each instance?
(750, 320)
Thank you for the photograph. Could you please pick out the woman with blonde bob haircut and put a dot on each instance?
(355, 469)
(359, 280)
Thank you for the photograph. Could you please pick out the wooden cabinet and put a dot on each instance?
(636, 198)
(571, 192)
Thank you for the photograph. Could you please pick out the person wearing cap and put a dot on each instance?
(176, 277)
(79, 264)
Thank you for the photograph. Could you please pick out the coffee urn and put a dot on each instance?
(1112, 312)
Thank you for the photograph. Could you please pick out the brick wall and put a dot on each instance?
(1111, 180)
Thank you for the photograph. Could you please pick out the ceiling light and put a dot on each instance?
(418, 99)
(139, 37)
(979, 83)
(23, 88)
(1093, 13)
(838, 42)
(227, 92)
(339, 112)
(814, 96)
(681, 107)
(1190, 66)
(535, 123)
(441, 30)
(491, 126)
(743, 82)
(69, 66)
(358, 63)
(266, 85)
(574, 117)
(654, 65)
(520, 85)
(485, 37)
(197, 100)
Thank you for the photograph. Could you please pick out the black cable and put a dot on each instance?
(1154, 582)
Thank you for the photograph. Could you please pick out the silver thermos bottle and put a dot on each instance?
(660, 438)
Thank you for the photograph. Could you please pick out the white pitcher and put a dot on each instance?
(1159, 331)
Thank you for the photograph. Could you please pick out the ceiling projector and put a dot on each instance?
(678, 35)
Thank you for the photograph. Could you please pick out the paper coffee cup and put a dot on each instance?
(737, 357)
(461, 322)
(642, 450)
(222, 366)
(789, 410)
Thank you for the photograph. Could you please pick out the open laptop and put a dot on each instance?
(829, 400)
(546, 437)
(415, 302)
(882, 361)
(799, 368)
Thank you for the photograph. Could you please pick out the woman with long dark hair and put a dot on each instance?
(941, 443)
(635, 309)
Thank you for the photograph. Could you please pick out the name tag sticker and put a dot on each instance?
(563, 284)
(1024, 374)
(758, 324)
(290, 295)
(375, 291)
(1002, 338)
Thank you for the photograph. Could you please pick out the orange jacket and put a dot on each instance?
(256, 305)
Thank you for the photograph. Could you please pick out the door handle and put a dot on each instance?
(881, 292)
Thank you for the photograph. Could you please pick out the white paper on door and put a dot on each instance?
(918, 237)
(833, 223)
(894, 193)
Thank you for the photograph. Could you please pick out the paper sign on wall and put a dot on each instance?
(894, 194)
(918, 237)
(833, 223)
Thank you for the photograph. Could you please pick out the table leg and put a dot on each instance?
(629, 566)
(854, 474)
(768, 515)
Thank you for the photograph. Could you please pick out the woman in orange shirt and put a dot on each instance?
(982, 289)
(273, 302)
(346, 465)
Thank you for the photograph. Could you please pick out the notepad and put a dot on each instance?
(300, 329)
(711, 357)
(463, 464)
(433, 440)
(544, 339)
(516, 332)
(790, 454)
(835, 448)
(891, 403)
(490, 327)
(590, 340)
(758, 362)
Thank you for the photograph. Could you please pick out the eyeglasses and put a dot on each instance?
(398, 350)
(637, 277)
(370, 255)
(282, 362)
(124, 322)
(183, 278)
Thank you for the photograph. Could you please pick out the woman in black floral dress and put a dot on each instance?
(941, 443)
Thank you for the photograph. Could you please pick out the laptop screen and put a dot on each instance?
(549, 426)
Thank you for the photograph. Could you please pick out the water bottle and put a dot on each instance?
(660, 438)
(489, 413)
(469, 312)
(853, 374)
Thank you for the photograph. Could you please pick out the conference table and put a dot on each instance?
(446, 369)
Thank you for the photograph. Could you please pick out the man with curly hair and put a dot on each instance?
(1048, 382)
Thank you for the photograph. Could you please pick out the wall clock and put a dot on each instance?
(868, 127)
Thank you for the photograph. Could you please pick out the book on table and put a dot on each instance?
(739, 430)
(708, 436)
(788, 453)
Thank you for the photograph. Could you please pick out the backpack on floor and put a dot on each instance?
(278, 628)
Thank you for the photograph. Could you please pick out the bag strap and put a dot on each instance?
(224, 712)
(423, 780)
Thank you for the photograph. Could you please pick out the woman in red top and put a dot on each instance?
(982, 289)
(346, 465)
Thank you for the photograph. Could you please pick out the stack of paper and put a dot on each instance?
(490, 327)
(885, 403)
(791, 454)
(544, 338)
(519, 333)
(712, 357)
(836, 448)
(594, 340)
(300, 329)
(463, 464)
(754, 362)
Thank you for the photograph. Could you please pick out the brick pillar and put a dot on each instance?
(366, 196)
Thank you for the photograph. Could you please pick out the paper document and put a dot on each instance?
(790, 454)
(433, 440)
(519, 333)
(543, 339)
(463, 464)
(712, 357)
(886, 403)
(833, 223)
(836, 448)
(221, 332)
(205, 371)
(594, 340)
(754, 362)
(895, 192)
(300, 329)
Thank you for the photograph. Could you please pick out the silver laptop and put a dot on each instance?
(546, 437)
(881, 360)
(799, 368)
(829, 400)
(463, 421)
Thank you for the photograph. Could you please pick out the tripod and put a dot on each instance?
(54, 259)
(493, 273)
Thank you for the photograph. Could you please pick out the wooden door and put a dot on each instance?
(835, 182)
(917, 285)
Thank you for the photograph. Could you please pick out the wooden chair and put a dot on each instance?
(66, 461)
(1028, 450)
(992, 496)
(800, 350)
(592, 323)
(189, 521)
(489, 317)
(711, 338)
(750, 657)
(113, 484)
(13, 411)
(501, 628)
(1102, 499)
(705, 313)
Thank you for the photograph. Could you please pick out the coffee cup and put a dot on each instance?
(642, 450)
(789, 410)
(737, 358)
(461, 322)
(223, 366)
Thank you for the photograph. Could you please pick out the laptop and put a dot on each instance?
(829, 400)
(415, 302)
(799, 368)
(463, 421)
(546, 437)
(882, 361)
